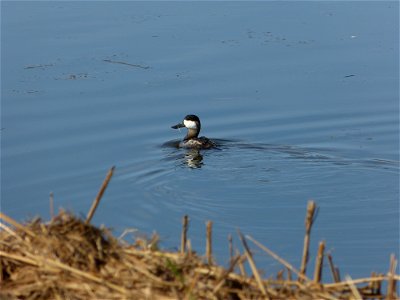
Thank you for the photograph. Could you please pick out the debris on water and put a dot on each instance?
(126, 63)
(42, 66)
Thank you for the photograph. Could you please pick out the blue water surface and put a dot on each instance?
(303, 98)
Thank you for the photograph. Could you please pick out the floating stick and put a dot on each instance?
(96, 201)
(125, 63)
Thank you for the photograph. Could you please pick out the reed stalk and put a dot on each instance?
(278, 258)
(66, 258)
(240, 263)
(96, 201)
(253, 265)
(51, 200)
(334, 270)
(319, 262)
(185, 224)
(14, 223)
(310, 217)
(230, 243)
(209, 242)
(391, 287)
(353, 288)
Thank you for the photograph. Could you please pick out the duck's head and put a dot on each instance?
(192, 123)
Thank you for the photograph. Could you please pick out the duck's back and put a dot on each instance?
(198, 143)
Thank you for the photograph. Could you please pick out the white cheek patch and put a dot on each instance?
(190, 124)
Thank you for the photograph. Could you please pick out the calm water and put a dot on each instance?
(302, 97)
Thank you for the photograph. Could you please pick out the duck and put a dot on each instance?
(192, 139)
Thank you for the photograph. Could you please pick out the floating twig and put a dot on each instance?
(38, 66)
(127, 64)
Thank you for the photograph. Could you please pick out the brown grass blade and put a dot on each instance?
(185, 225)
(209, 243)
(253, 265)
(278, 258)
(96, 201)
(14, 223)
(391, 288)
(319, 262)
(311, 208)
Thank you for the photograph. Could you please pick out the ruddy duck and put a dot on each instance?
(191, 140)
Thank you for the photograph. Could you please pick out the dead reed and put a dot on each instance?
(68, 258)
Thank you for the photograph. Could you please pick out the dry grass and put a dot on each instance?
(68, 258)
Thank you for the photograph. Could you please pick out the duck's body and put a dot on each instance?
(191, 140)
(197, 143)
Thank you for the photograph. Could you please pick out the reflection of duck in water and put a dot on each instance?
(193, 159)
(191, 140)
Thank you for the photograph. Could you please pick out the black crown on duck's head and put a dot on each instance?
(192, 118)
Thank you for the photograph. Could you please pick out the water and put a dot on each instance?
(302, 98)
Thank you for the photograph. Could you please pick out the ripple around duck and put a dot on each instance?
(250, 166)
(314, 154)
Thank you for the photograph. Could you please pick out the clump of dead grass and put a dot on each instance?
(68, 258)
